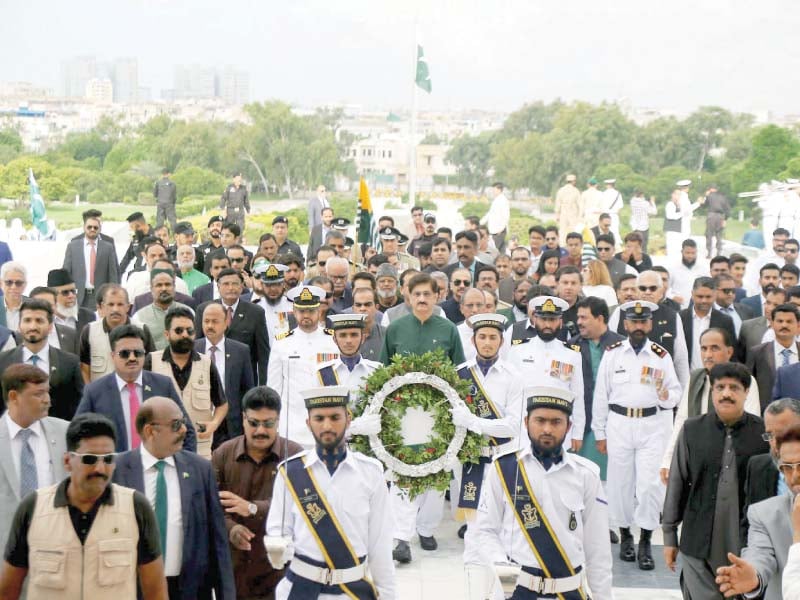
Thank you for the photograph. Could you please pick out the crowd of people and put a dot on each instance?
(177, 421)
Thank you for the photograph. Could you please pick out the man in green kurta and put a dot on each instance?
(422, 331)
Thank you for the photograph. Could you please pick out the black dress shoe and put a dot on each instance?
(402, 553)
(614, 537)
(462, 531)
(428, 543)
(645, 555)
(627, 550)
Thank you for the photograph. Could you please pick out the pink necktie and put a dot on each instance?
(133, 404)
(92, 261)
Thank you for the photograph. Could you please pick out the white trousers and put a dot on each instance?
(674, 241)
(422, 515)
(635, 448)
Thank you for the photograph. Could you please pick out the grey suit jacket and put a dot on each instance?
(768, 541)
(750, 334)
(55, 430)
(106, 269)
(314, 212)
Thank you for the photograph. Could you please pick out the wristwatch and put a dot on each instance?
(252, 509)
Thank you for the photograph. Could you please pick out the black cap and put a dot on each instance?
(184, 227)
(58, 277)
(136, 216)
(340, 223)
(214, 219)
(280, 219)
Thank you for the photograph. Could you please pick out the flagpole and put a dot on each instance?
(412, 171)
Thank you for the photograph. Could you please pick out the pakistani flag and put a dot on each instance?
(588, 252)
(423, 77)
(365, 226)
(38, 214)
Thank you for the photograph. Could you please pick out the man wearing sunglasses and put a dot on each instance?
(13, 281)
(605, 252)
(119, 395)
(67, 311)
(101, 539)
(182, 490)
(91, 261)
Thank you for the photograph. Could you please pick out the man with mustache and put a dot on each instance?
(214, 243)
(245, 467)
(764, 359)
(103, 537)
(269, 286)
(67, 311)
(634, 395)
(182, 490)
(546, 360)
(337, 517)
(769, 277)
(706, 482)
(94, 348)
(162, 286)
(195, 378)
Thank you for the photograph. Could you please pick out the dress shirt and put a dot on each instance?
(38, 443)
(52, 338)
(357, 495)
(568, 487)
(173, 553)
(87, 259)
(641, 209)
(699, 325)
(12, 317)
(68, 321)
(496, 220)
(681, 278)
(219, 358)
(731, 312)
(122, 386)
(778, 349)
(44, 357)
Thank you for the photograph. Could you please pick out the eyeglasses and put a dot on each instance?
(255, 423)
(92, 227)
(181, 330)
(237, 260)
(126, 354)
(174, 425)
(461, 282)
(727, 290)
(91, 459)
(767, 437)
(69, 292)
(337, 277)
(14, 283)
(649, 288)
(790, 250)
(789, 469)
(604, 248)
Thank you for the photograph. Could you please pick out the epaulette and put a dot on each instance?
(658, 350)
(585, 463)
(368, 459)
(284, 335)
(574, 347)
(328, 331)
(516, 342)
(614, 345)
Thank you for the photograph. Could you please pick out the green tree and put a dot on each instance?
(471, 155)
(10, 145)
(773, 147)
(197, 181)
(536, 117)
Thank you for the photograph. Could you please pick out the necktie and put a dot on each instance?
(28, 478)
(228, 316)
(213, 354)
(786, 353)
(92, 261)
(161, 505)
(133, 405)
(35, 360)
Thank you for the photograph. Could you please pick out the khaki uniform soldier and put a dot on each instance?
(569, 209)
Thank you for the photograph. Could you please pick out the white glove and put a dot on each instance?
(279, 550)
(365, 425)
(462, 417)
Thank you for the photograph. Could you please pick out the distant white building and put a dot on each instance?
(233, 86)
(76, 73)
(125, 77)
(100, 91)
(194, 81)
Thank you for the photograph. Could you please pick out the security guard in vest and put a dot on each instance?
(295, 356)
(85, 537)
(546, 360)
(496, 398)
(235, 202)
(635, 392)
(543, 516)
(330, 513)
(268, 288)
(196, 380)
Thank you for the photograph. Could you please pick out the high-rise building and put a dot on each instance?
(100, 91)
(233, 86)
(125, 77)
(76, 73)
(194, 81)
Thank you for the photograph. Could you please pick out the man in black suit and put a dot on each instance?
(91, 261)
(197, 561)
(763, 478)
(245, 322)
(726, 291)
(66, 383)
(466, 248)
(769, 277)
(767, 357)
(702, 315)
(232, 360)
(62, 337)
(67, 311)
(753, 330)
(215, 264)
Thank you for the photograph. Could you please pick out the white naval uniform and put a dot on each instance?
(552, 363)
(612, 204)
(293, 364)
(571, 486)
(356, 493)
(635, 445)
(465, 333)
(353, 380)
(504, 386)
(277, 315)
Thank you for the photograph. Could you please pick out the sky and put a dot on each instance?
(483, 54)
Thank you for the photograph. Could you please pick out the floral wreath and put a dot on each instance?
(429, 382)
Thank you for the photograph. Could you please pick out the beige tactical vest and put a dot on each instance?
(196, 396)
(104, 567)
(101, 363)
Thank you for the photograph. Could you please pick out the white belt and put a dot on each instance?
(328, 576)
(492, 451)
(546, 585)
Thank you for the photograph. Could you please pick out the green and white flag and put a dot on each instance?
(38, 212)
(423, 77)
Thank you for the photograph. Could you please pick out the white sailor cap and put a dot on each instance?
(347, 321)
(487, 320)
(545, 396)
(326, 397)
(612, 180)
(306, 296)
(548, 306)
(683, 182)
(272, 273)
(638, 310)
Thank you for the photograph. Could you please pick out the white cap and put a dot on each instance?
(609, 180)
(488, 320)
(684, 183)
(548, 306)
(306, 296)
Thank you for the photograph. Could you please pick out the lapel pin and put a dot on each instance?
(241, 316)
(185, 475)
(52, 368)
(147, 388)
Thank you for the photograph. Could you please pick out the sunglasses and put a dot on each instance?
(70, 292)
(461, 282)
(14, 283)
(174, 425)
(181, 330)
(126, 354)
(92, 227)
(237, 260)
(91, 459)
(648, 288)
(727, 290)
(604, 248)
(255, 423)
(790, 250)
